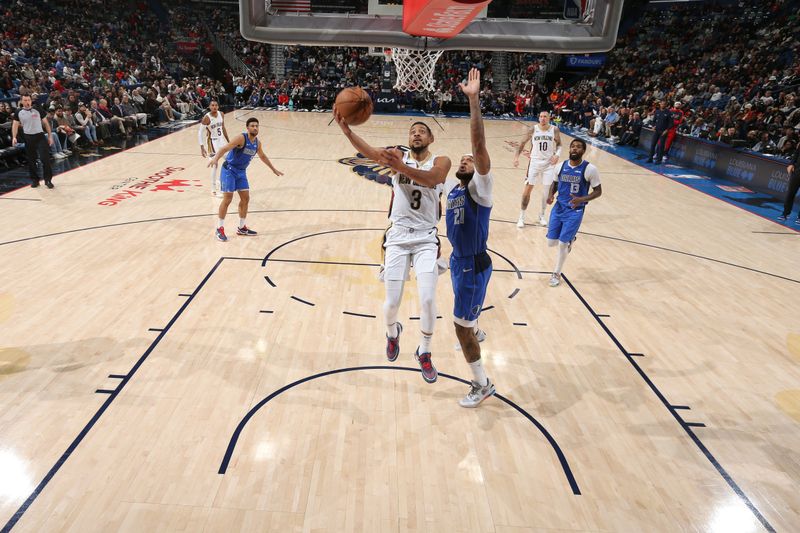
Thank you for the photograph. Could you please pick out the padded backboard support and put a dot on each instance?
(594, 31)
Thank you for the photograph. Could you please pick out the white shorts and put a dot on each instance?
(214, 145)
(542, 174)
(405, 247)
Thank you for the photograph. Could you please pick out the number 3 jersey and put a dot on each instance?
(575, 181)
(468, 211)
(414, 205)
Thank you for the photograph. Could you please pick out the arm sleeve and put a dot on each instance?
(480, 188)
(592, 175)
(200, 134)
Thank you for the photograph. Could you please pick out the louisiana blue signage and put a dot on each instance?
(760, 173)
(586, 61)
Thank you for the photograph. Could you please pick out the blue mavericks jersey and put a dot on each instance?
(572, 181)
(467, 223)
(239, 158)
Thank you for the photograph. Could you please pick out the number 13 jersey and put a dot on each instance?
(575, 181)
(414, 205)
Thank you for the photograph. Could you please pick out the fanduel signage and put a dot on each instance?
(586, 61)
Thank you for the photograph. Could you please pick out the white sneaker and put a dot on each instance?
(67, 152)
(521, 222)
(59, 155)
(477, 394)
(555, 280)
(480, 335)
(542, 221)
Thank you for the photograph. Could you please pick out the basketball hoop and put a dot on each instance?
(415, 69)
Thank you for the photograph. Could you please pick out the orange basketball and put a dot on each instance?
(354, 104)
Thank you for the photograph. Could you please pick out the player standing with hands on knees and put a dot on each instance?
(469, 205)
(417, 185)
(572, 185)
(233, 177)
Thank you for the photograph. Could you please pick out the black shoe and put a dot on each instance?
(49, 184)
(34, 184)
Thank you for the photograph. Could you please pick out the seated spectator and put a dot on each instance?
(765, 145)
(108, 116)
(130, 111)
(634, 129)
(131, 122)
(610, 121)
(85, 124)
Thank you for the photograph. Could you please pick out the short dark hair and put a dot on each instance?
(430, 132)
(581, 141)
(251, 119)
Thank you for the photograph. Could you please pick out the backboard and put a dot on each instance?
(561, 26)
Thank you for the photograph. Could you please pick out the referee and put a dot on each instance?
(36, 144)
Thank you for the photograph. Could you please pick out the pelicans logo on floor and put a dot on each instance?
(369, 169)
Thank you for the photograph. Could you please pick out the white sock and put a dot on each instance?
(221, 223)
(392, 330)
(242, 222)
(522, 214)
(425, 343)
(479, 373)
(563, 250)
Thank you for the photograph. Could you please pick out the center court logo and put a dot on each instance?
(512, 146)
(369, 169)
(133, 187)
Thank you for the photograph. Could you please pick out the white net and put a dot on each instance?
(415, 69)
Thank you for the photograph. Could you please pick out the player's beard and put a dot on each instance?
(574, 157)
(464, 177)
(419, 149)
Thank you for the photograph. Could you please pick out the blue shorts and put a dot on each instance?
(233, 179)
(470, 277)
(564, 223)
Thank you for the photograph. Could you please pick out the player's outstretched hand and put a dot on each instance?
(277, 172)
(340, 120)
(553, 160)
(213, 162)
(473, 85)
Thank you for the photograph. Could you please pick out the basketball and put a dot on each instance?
(354, 104)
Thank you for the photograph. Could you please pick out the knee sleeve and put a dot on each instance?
(391, 305)
(426, 284)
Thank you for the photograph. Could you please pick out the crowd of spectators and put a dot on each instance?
(112, 74)
(733, 67)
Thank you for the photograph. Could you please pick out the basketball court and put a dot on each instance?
(155, 379)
